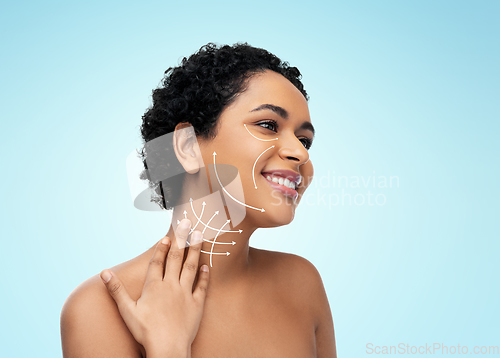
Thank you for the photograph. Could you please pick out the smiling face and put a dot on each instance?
(266, 133)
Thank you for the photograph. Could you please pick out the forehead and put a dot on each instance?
(270, 87)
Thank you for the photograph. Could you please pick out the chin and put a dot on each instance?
(275, 216)
(281, 220)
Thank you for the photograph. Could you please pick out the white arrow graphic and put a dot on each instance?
(199, 218)
(264, 140)
(216, 253)
(236, 200)
(215, 239)
(207, 226)
(217, 243)
(221, 243)
(253, 169)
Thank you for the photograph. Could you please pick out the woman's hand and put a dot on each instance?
(166, 318)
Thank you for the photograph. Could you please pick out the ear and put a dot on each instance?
(186, 148)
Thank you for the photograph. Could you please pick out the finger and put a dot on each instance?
(190, 266)
(157, 262)
(200, 292)
(176, 252)
(117, 291)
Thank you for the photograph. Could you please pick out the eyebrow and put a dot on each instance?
(283, 113)
(308, 126)
(280, 111)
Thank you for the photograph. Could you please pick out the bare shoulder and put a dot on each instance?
(285, 263)
(91, 325)
(295, 272)
(299, 280)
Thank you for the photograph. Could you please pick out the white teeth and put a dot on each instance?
(282, 181)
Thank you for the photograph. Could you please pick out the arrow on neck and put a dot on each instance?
(207, 226)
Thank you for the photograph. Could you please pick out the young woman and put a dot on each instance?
(247, 110)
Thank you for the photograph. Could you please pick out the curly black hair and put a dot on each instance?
(196, 92)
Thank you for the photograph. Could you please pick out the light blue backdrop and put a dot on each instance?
(402, 89)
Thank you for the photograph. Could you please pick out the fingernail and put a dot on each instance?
(106, 276)
(204, 268)
(185, 224)
(164, 241)
(196, 237)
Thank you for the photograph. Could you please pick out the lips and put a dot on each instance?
(285, 181)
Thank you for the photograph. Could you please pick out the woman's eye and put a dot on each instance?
(306, 142)
(271, 125)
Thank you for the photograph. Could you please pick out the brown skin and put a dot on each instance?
(259, 303)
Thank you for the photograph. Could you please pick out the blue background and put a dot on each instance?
(406, 89)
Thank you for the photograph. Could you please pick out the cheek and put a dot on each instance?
(237, 153)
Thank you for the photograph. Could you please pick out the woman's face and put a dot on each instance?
(265, 133)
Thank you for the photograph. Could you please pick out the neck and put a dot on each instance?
(225, 247)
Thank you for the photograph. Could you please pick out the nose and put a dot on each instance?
(292, 149)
